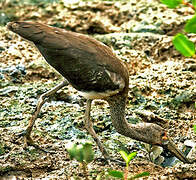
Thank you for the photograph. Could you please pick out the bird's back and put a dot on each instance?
(89, 65)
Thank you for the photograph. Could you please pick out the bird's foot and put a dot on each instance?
(28, 141)
(17, 136)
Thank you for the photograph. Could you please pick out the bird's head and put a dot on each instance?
(26, 29)
(168, 144)
(159, 136)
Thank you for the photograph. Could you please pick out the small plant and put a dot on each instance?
(125, 175)
(83, 153)
(181, 41)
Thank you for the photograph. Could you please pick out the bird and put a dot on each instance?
(95, 72)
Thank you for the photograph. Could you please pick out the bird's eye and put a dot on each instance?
(15, 26)
(164, 136)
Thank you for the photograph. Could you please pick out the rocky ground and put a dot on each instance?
(162, 85)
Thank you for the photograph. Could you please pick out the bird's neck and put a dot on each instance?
(141, 131)
(117, 111)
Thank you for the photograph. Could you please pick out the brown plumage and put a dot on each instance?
(93, 69)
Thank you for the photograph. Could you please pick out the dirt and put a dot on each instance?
(162, 83)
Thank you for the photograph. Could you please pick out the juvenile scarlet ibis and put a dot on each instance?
(97, 73)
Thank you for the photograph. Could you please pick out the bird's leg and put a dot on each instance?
(28, 140)
(89, 127)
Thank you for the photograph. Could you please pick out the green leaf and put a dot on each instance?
(124, 156)
(194, 128)
(79, 156)
(75, 152)
(184, 45)
(72, 150)
(194, 3)
(131, 156)
(82, 152)
(116, 174)
(171, 3)
(190, 26)
(127, 157)
(88, 152)
(141, 175)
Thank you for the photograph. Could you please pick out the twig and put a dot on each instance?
(189, 5)
(126, 173)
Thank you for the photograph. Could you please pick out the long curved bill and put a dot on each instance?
(170, 145)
